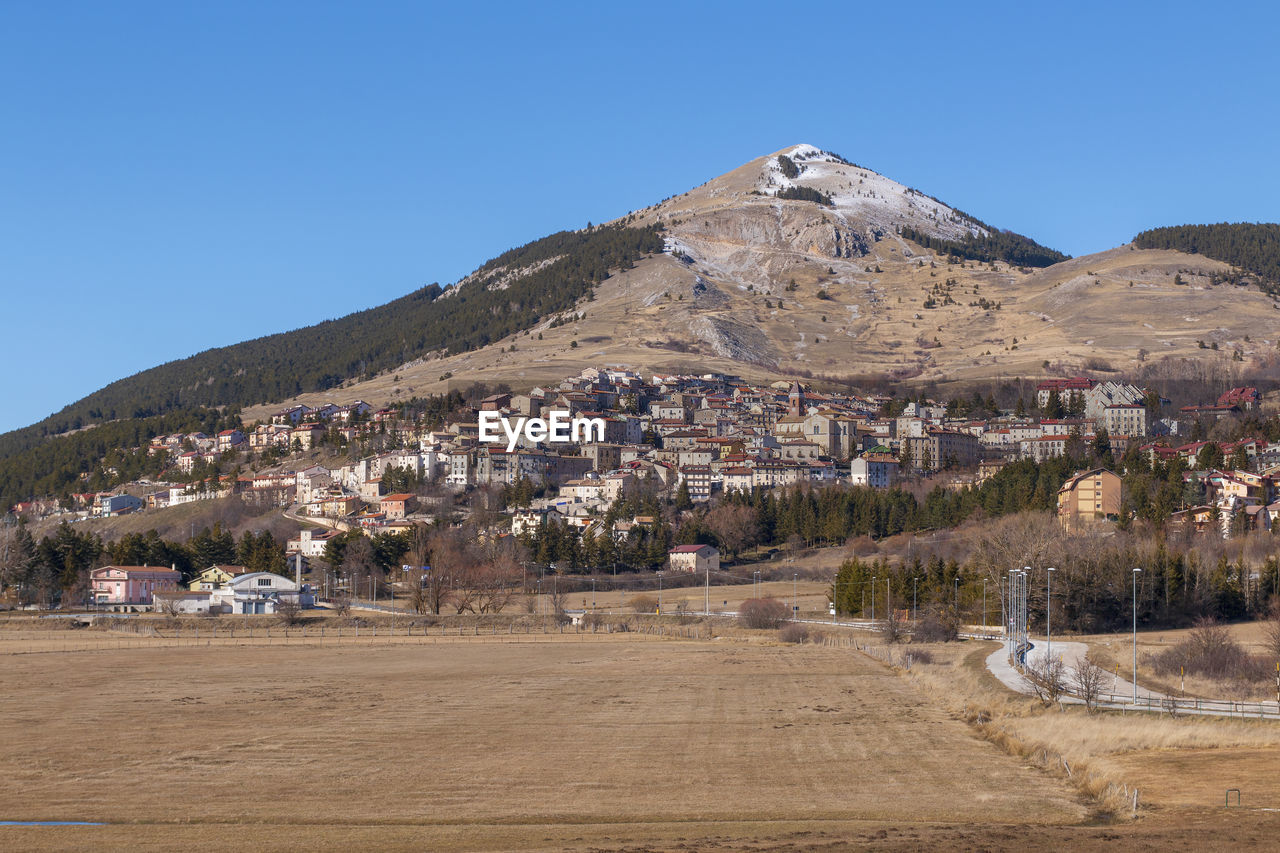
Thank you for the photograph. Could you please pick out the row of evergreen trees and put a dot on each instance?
(997, 245)
(1091, 592)
(1253, 247)
(804, 194)
(56, 567)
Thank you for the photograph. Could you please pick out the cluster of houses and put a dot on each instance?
(218, 589)
(699, 435)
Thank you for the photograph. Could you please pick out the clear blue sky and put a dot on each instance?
(179, 176)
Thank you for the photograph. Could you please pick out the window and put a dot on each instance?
(264, 581)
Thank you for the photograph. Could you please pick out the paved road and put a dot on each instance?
(1070, 653)
(1118, 693)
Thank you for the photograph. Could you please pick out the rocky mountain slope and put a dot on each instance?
(761, 286)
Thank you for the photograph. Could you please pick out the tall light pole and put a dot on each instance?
(1048, 614)
(873, 598)
(1136, 572)
(1026, 574)
(888, 602)
(984, 607)
(1013, 607)
(915, 611)
(659, 592)
(795, 608)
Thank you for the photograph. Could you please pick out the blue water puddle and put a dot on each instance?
(49, 823)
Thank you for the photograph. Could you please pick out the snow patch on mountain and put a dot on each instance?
(861, 196)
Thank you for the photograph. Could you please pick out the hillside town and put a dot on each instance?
(694, 436)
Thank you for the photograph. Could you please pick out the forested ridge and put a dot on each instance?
(54, 466)
(319, 357)
(1252, 247)
(996, 246)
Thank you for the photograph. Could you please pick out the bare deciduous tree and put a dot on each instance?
(289, 610)
(359, 565)
(734, 526)
(1024, 539)
(891, 630)
(1088, 679)
(1049, 680)
(558, 597)
(1271, 630)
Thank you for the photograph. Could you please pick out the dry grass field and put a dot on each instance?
(810, 595)
(1180, 767)
(563, 742)
(1116, 652)
(484, 745)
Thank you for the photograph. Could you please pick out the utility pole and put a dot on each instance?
(706, 593)
(873, 598)
(795, 608)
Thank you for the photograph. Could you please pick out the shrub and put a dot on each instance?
(762, 613)
(937, 626)
(921, 656)
(796, 632)
(1210, 650)
(644, 604)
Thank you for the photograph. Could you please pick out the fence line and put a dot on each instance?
(129, 634)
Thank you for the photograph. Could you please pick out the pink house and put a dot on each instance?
(131, 584)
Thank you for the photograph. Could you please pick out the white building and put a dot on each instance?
(694, 558)
(263, 592)
(878, 470)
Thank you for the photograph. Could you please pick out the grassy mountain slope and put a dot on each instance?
(1251, 247)
(799, 263)
(556, 272)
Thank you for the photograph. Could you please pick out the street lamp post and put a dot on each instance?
(1136, 572)
(659, 592)
(1026, 607)
(873, 598)
(984, 607)
(1013, 607)
(915, 611)
(1048, 614)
